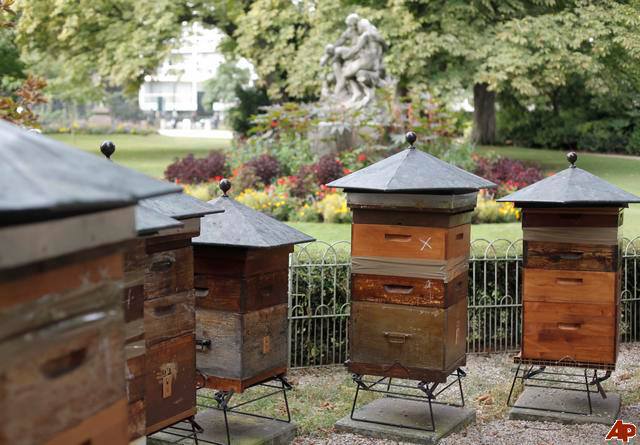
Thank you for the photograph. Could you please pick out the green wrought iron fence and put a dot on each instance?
(319, 299)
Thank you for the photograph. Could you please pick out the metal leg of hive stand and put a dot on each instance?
(542, 378)
(430, 391)
(190, 432)
(223, 401)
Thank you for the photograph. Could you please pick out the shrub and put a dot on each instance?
(245, 177)
(603, 135)
(266, 167)
(192, 170)
(509, 174)
(328, 169)
(333, 208)
(303, 183)
(305, 213)
(204, 191)
(272, 201)
(489, 211)
(250, 100)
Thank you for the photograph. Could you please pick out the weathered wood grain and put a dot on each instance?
(169, 317)
(60, 279)
(108, 427)
(243, 345)
(567, 256)
(136, 419)
(573, 217)
(567, 286)
(239, 262)
(575, 235)
(169, 381)
(412, 202)
(409, 218)
(409, 291)
(168, 273)
(240, 385)
(31, 243)
(53, 378)
(410, 241)
(398, 371)
(242, 294)
(409, 337)
(567, 331)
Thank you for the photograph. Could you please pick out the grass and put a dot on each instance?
(149, 154)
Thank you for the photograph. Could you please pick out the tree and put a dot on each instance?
(222, 87)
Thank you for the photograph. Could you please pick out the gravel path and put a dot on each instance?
(486, 387)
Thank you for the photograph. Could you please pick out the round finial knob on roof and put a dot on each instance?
(225, 185)
(572, 157)
(411, 138)
(108, 148)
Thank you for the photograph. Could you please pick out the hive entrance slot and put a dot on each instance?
(397, 237)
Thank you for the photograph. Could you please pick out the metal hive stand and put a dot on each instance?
(222, 399)
(179, 429)
(536, 375)
(429, 392)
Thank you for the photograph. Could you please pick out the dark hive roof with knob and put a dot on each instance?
(41, 178)
(241, 226)
(410, 171)
(158, 213)
(571, 187)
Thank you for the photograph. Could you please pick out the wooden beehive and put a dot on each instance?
(409, 253)
(241, 280)
(66, 218)
(168, 312)
(571, 298)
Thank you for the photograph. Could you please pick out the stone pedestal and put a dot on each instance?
(330, 137)
(245, 430)
(448, 420)
(571, 403)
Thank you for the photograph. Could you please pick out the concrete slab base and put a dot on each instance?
(448, 420)
(245, 430)
(605, 411)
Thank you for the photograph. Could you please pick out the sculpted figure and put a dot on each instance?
(356, 61)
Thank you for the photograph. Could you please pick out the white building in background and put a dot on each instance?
(177, 87)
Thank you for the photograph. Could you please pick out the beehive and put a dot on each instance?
(409, 254)
(66, 218)
(241, 279)
(571, 299)
(169, 311)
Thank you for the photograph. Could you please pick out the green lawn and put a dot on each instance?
(148, 154)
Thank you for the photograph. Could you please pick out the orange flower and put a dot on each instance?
(362, 157)
(346, 171)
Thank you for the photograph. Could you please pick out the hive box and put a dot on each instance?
(66, 219)
(241, 280)
(571, 251)
(409, 255)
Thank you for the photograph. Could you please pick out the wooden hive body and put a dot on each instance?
(241, 301)
(169, 327)
(571, 285)
(409, 285)
(62, 330)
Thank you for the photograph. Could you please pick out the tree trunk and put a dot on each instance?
(484, 115)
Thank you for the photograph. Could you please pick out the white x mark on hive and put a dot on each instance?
(425, 243)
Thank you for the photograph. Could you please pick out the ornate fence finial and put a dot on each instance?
(108, 148)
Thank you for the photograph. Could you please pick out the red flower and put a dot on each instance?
(362, 157)
(274, 123)
(281, 181)
(346, 171)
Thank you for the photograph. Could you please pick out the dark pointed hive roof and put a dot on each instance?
(411, 170)
(149, 221)
(572, 186)
(241, 226)
(179, 206)
(41, 178)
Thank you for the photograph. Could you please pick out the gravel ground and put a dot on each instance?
(486, 388)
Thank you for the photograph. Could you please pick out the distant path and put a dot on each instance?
(203, 134)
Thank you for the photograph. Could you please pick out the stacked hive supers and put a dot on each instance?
(65, 222)
(169, 312)
(572, 264)
(410, 248)
(241, 279)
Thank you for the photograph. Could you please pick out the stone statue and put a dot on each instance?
(356, 59)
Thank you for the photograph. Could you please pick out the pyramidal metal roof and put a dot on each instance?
(572, 186)
(179, 206)
(42, 178)
(149, 221)
(241, 226)
(411, 170)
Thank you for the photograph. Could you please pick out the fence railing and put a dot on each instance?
(319, 299)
